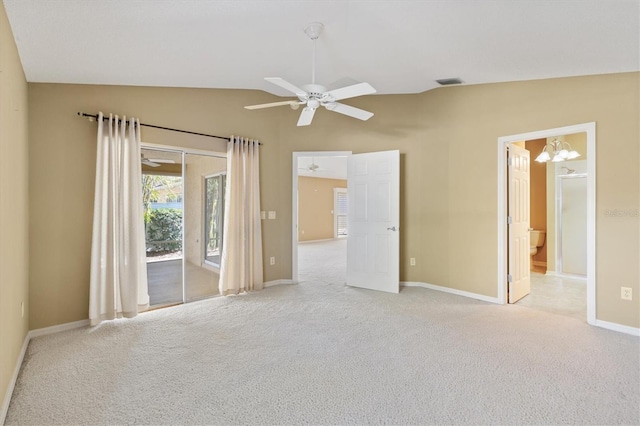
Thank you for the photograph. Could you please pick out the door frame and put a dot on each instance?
(294, 201)
(503, 141)
(183, 151)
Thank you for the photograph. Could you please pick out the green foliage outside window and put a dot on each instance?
(164, 230)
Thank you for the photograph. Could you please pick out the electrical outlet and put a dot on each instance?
(413, 261)
(626, 293)
(272, 260)
(272, 215)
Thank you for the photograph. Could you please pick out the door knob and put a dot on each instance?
(393, 228)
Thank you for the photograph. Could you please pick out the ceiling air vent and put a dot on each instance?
(448, 81)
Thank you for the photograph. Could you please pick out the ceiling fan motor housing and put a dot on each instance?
(314, 90)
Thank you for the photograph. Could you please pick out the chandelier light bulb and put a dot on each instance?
(543, 157)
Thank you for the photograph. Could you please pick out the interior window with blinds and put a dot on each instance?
(340, 212)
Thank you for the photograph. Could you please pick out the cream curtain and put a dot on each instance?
(118, 265)
(241, 260)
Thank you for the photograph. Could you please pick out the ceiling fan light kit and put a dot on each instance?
(314, 95)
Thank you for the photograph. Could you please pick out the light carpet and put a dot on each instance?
(323, 353)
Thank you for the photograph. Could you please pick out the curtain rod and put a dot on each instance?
(82, 114)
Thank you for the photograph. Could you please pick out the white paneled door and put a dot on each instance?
(519, 278)
(373, 240)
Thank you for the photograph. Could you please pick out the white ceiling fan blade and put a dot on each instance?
(354, 112)
(351, 91)
(286, 85)
(306, 116)
(150, 164)
(273, 104)
(161, 160)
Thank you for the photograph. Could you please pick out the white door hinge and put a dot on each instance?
(509, 278)
(509, 220)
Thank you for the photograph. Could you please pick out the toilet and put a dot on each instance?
(536, 240)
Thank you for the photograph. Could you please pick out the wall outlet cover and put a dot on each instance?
(626, 293)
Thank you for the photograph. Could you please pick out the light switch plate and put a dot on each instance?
(272, 215)
(263, 215)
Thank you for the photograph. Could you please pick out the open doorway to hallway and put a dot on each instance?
(320, 216)
(561, 220)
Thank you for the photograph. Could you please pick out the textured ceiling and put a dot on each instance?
(396, 46)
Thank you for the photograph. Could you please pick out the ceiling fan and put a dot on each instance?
(312, 168)
(315, 95)
(154, 162)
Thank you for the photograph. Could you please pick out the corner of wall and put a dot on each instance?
(14, 212)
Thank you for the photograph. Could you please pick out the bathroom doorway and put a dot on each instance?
(562, 234)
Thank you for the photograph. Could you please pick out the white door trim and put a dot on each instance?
(294, 201)
(590, 130)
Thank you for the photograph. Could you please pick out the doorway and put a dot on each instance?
(183, 196)
(373, 228)
(319, 182)
(503, 241)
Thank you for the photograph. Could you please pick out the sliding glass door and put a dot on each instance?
(162, 195)
(183, 197)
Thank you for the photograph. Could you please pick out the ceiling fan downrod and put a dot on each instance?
(313, 31)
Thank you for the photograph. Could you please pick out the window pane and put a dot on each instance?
(214, 216)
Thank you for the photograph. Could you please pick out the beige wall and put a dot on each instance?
(62, 155)
(14, 208)
(538, 194)
(447, 139)
(315, 207)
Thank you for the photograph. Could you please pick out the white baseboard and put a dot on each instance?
(618, 327)
(451, 291)
(30, 335)
(12, 383)
(598, 323)
(58, 328)
(278, 282)
(318, 241)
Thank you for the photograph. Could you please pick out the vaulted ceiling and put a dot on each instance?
(396, 46)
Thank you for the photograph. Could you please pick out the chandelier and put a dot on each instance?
(557, 151)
